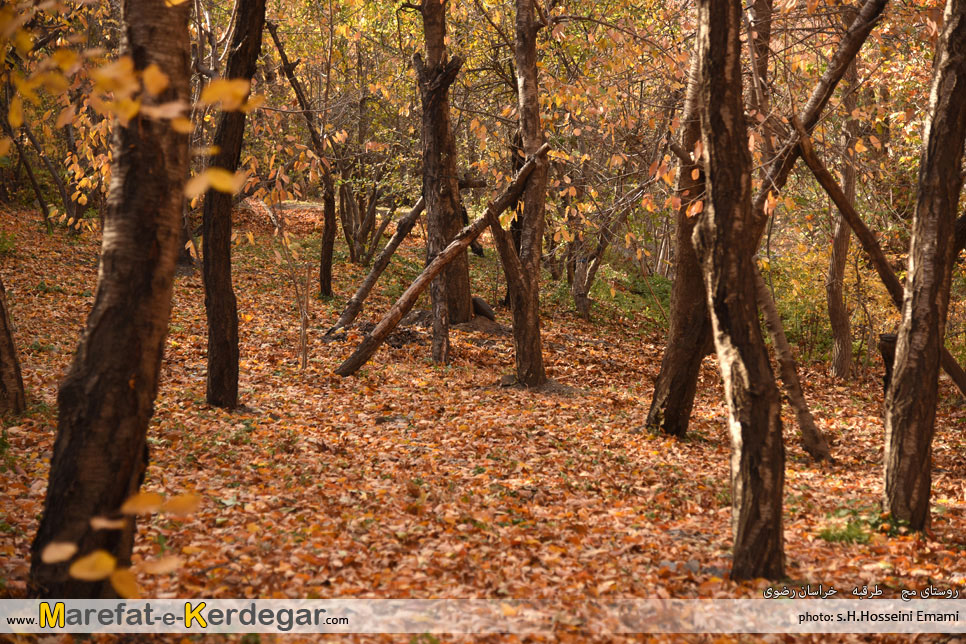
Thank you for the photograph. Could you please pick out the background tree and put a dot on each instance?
(220, 304)
(106, 401)
(12, 398)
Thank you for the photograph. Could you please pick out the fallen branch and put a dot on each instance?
(459, 244)
(869, 243)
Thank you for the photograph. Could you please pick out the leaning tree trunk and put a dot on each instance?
(689, 336)
(221, 307)
(440, 182)
(912, 394)
(106, 401)
(12, 398)
(838, 313)
(726, 252)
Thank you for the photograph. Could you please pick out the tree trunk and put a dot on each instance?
(523, 274)
(689, 335)
(221, 307)
(838, 313)
(813, 441)
(12, 398)
(460, 243)
(912, 395)
(106, 401)
(440, 181)
(329, 230)
(726, 253)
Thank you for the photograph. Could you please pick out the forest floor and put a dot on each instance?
(416, 481)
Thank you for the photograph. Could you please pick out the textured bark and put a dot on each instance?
(12, 398)
(318, 145)
(813, 442)
(689, 335)
(838, 313)
(869, 244)
(460, 243)
(912, 395)
(106, 401)
(221, 308)
(436, 74)
(726, 252)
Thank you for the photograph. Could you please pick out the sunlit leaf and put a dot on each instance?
(93, 567)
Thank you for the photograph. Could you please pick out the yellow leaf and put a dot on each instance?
(65, 117)
(93, 567)
(125, 583)
(5, 143)
(162, 566)
(142, 503)
(217, 179)
(182, 505)
(15, 113)
(58, 551)
(103, 523)
(231, 93)
(859, 147)
(695, 174)
(182, 125)
(155, 80)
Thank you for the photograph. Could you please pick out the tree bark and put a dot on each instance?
(221, 308)
(913, 392)
(12, 398)
(726, 253)
(813, 442)
(106, 401)
(838, 313)
(328, 184)
(460, 243)
(869, 244)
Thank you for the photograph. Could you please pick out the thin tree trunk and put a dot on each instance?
(838, 313)
(12, 398)
(813, 441)
(354, 305)
(106, 401)
(726, 253)
(869, 244)
(221, 308)
(459, 245)
(69, 207)
(318, 145)
(910, 418)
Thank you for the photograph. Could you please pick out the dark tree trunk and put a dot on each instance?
(106, 401)
(911, 397)
(12, 398)
(726, 253)
(440, 181)
(318, 145)
(220, 304)
(838, 313)
(689, 335)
